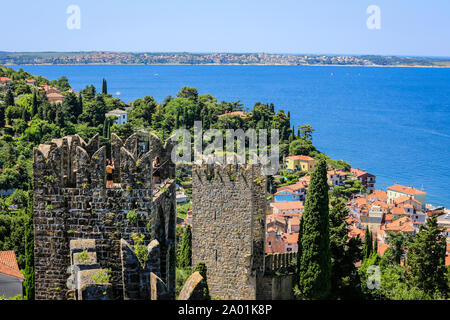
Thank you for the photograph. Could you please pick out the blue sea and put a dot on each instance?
(393, 122)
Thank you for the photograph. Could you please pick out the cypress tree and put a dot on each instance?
(367, 245)
(79, 109)
(34, 105)
(108, 132)
(272, 108)
(104, 87)
(41, 112)
(375, 245)
(28, 284)
(60, 118)
(426, 259)
(315, 253)
(9, 98)
(105, 128)
(185, 259)
(2, 116)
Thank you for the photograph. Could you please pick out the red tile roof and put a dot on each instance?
(359, 173)
(287, 205)
(381, 204)
(360, 201)
(398, 210)
(294, 187)
(354, 232)
(241, 114)
(382, 248)
(8, 264)
(5, 79)
(302, 158)
(337, 172)
(290, 237)
(403, 224)
(380, 195)
(407, 190)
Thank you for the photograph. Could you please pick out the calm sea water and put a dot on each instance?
(394, 122)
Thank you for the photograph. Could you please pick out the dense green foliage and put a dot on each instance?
(314, 264)
(345, 252)
(185, 255)
(426, 260)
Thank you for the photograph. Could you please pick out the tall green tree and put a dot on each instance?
(28, 284)
(399, 243)
(306, 131)
(34, 105)
(70, 107)
(314, 268)
(79, 109)
(9, 98)
(367, 249)
(426, 259)
(345, 252)
(185, 258)
(104, 87)
(2, 116)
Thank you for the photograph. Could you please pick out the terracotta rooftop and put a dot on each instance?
(382, 248)
(301, 158)
(287, 205)
(405, 198)
(407, 190)
(358, 173)
(398, 210)
(8, 264)
(5, 79)
(338, 172)
(378, 194)
(290, 238)
(403, 224)
(294, 187)
(241, 114)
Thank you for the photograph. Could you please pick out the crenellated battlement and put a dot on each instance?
(70, 162)
(71, 202)
(250, 175)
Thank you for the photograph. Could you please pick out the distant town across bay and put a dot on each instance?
(185, 58)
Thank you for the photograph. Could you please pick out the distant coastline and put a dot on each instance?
(231, 59)
(221, 64)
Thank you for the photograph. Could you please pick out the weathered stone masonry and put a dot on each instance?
(228, 234)
(229, 207)
(71, 202)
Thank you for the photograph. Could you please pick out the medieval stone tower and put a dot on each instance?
(72, 204)
(228, 228)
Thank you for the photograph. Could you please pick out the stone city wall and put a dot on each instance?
(71, 202)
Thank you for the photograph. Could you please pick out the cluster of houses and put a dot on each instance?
(53, 94)
(399, 209)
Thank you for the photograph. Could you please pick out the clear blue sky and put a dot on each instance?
(408, 27)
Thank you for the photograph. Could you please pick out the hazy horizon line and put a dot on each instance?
(230, 52)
